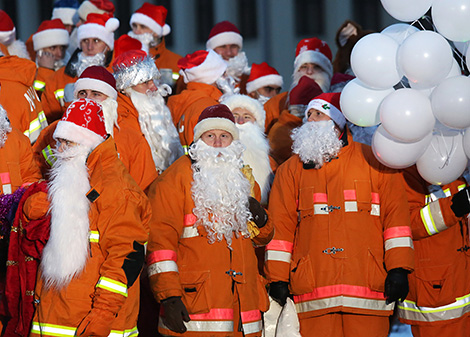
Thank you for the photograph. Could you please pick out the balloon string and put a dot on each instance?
(447, 150)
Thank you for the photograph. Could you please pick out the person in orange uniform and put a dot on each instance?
(149, 27)
(342, 245)
(88, 280)
(201, 261)
(18, 96)
(201, 71)
(96, 38)
(264, 82)
(440, 285)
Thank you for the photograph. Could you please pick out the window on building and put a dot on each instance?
(367, 14)
(205, 19)
(309, 17)
(247, 18)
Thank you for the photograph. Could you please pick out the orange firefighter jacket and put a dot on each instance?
(273, 107)
(119, 215)
(280, 141)
(18, 96)
(53, 95)
(338, 230)
(166, 59)
(187, 106)
(181, 262)
(17, 166)
(440, 284)
(43, 76)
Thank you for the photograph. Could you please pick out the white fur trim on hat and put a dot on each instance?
(223, 39)
(104, 33)
(77, 134)
(49, 38)
(65, 14)
(215, 123)
(8, 37)
(264, 81)
(328, 109)
(248, 103)
(208, 71)
(311, 56)
(94, 84)
(150, 23)
(86, 8)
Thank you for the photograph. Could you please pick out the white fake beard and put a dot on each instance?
(321, 77)
(220, 191)
(257, 156)
(110, 114)
(263, 99)
(316, 142)
(88, 61)
(18, 48)
(157, 126)
(148, 40)
(5, 126)
(237, 65)
(66, 253)
(227, 85)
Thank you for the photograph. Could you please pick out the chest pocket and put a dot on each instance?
(306, 199)
(363, 195)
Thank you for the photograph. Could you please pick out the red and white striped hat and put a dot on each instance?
(95, 6)
(223, 33)
(262, 75)
(50, 33)
(314, 50)
(203, 66)
(100, 26)
(7, 29)
(153, 17)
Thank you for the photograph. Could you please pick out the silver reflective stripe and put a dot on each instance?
(276, 255)
(375, 210)
(343, 301)
(401, 242)
(350, 206)
(162, 267)
(189, 232)
(409, 310)
(252, 327)
(320, 209)
(437, 216)
(204, 326)
(125, 333)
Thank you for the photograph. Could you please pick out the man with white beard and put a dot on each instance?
(142, 105)
(249, 117)
(88, 281)
(96, 39)
(342, 245)
(201, 261)
(98, 84)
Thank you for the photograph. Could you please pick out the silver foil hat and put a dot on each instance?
(136, 71)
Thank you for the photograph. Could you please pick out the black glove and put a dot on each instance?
(396, 285)
(260, 217)
(461, 202)
(174, 314)
(279, 291)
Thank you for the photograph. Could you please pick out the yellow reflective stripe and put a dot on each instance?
(124, 333)
(45, 329)
(461, 187)
(447, 192)
(59, 93)
(186, 149)
(410, 310)
(34, 125)
(94, 236)
(112, 285)
(428, 221)
(42, 118)
(49, 155)
(175, 76)
(39, 85)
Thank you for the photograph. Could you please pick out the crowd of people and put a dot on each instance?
(143, 192)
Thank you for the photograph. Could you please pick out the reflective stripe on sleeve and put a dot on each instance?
(39, 85)
(189, 231)
(55, 330)
(344, 301)
(49, 155)
(125, 333)
(403, 242)
(432, 218)
(94, 236)
(112, 285)
(279, 250)
(59, 93)
(161, 261)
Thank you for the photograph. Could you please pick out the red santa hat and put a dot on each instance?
(134, 67)
(216, 117)
(223, 33)
(95, 6)
(153, 17)
(50, 33)
(96, 78)
(248, 103)
(203, 66)
(328, 103)
(65, 10)
(7, 29)
(82, 123)
(126, 43)
(304, 91)
(100, 26)
(262, 75)
(315, 51)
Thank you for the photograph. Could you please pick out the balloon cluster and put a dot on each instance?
(408, 81)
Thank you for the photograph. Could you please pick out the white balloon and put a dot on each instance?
(360, 104)
(406, 115)
(405, 10)
(454, 71)
(461, 46)
(452, 19)
(466, 142)
(399, 31)
(425, 58)
(394, 153)
(450, 102)
(374, 59)
(444, 160)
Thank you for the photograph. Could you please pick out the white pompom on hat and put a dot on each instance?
(153, 17)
